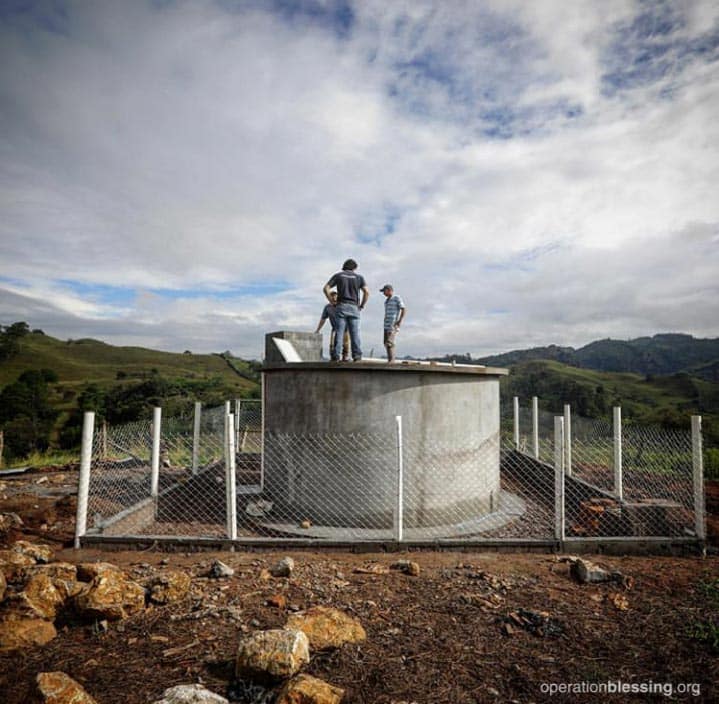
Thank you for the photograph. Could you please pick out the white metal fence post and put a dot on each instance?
(618, 488)
(155, 477)
(83, 489)
(238, 414)
(230, 478)
(196, 438)
(104, 439)
(515, 407)
(535, 427)
(698, 473)
(262, 431)
(567, 440)
(559, 478)
(399, 522)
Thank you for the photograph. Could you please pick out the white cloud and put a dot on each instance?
(481, 156)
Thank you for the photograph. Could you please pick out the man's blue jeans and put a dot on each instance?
(347, 316)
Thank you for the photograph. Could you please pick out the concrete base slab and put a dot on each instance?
(510, 507)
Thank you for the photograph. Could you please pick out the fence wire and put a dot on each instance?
(387, 486)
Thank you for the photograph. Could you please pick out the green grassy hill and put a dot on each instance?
(78, 363)
(666, 353)
(666, 400)
(120, 383)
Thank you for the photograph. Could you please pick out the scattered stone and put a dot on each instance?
(190, 694)
(306, 524)
(373, 568)
(407, 567)
(283, 568)
(59, 688)
(164, 561)
(169, 587)
(272, 654)
(112, 596)
(279, 601)
(305, 689)
(620, 602)
(257, 509)
(219, 570)
(265, 575)
(19, 634)
(587, 572)
(39, 553)
(326, 627)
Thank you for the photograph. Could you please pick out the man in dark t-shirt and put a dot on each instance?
(349, 285)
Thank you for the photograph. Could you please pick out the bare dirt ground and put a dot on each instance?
(471, 627)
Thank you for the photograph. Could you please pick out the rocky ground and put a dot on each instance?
(424, 627)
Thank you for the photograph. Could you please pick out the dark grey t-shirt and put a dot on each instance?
(349, 284)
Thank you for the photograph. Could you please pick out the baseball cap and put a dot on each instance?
(386, 286)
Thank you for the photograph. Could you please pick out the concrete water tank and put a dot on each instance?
(330, 441)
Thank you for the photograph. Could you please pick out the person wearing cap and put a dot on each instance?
(328, 313)
(349, 285)
(394, 311)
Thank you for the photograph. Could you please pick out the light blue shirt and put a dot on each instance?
(392, 306)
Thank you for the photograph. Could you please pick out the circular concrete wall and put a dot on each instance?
(331, 444)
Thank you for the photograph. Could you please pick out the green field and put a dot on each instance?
(78, 363)
(645, 399)
(120, 384)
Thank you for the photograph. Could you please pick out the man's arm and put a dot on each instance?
(320, 324)
(402, 311)
(365, 296)
(326, 290)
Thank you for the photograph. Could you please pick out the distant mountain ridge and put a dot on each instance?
(666, 353)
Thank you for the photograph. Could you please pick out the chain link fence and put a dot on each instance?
(213, 474)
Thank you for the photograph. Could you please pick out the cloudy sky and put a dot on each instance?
(188, 174)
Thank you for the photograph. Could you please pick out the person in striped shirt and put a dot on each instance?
(394, 311)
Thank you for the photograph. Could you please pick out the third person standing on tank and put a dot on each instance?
(394, 311)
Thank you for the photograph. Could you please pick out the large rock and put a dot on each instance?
(283, 568)
(326, 627)
(22, 633)
(190, 694)
(62, 574)
(8, 522)
(39, 599)
(59, 688)
(272, 654)
(585, 571)
(12, 564)
(305, 689)
(39, 553)
(87, 571)
(169, 587)
(110, 596)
